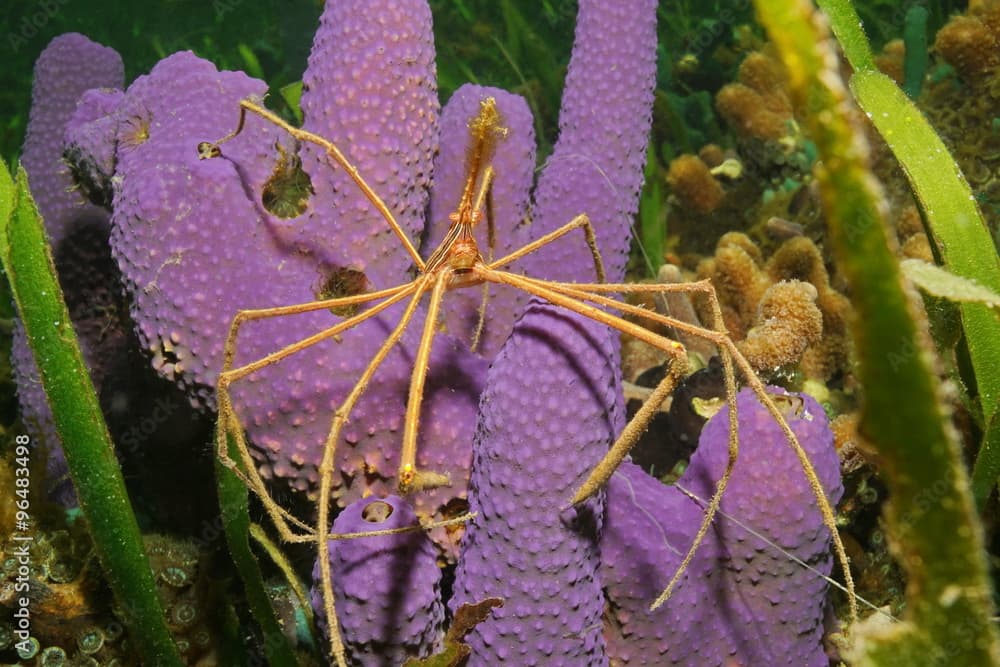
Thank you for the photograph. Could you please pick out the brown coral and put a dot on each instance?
(787, 322)
(738, 279)
(712, 155)
(970, 46)
(766, 75)
(742, 278)
(890, 61)
(913, 240)
(758, 105)
(747, 112)
(693, 184)
(800, 259)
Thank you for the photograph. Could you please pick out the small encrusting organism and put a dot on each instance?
(387, 587)
(755, 592)
(78, 231)
(186, 592)
(89, 143)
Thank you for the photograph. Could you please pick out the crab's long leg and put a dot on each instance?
(424, 527)
(241, 372)
(580, 221)
(560, 295)
(729, 353)
(485, 203)
(228, 423)
(209, 149)
(418, 288)
(251, 314)
(603, 471)
(411, 479)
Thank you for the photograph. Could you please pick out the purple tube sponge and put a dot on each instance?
(741, 600)
(597, 164)
(551, 407)
(370, 88)
(69, 65)
(647, 527)
(553, 402)
(184, 231)
(387, 588)
(78, 231)
(195, 247)
(197, 241)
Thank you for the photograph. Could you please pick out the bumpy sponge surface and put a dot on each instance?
(387, 588)
(548, 414)
(742, 599)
